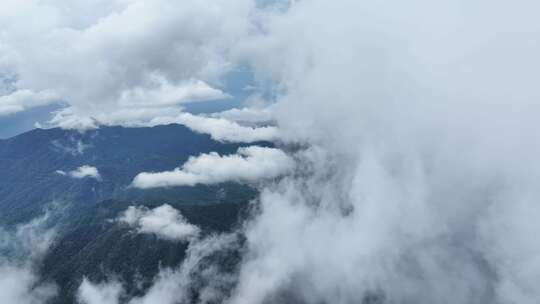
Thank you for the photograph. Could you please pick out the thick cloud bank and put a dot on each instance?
(106, 67)
(164, 221)
(248, 165)
(425, 189)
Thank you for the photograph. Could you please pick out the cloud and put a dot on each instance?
(82, 172)
(220, 129)
(70, 146)
(89, 293)
(85, 171)
(22, 285)
(67, 119)
(425, 183)
(164, 221)
(141, 107)
(225, 130)
(21, 250)
(248, 165)
(21, 100)
(166, 94)
(174, 54)
(247, 115)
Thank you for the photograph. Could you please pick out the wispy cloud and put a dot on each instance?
(21, 250)
(253, 115)
(199, 272)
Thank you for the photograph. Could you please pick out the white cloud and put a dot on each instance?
(141, 107)
(248, 165)
(82, 172)
(225, 130)
(22, 285)
(174, 54)
(90, 293)
(427, 187)
(164, 221)
(21, 100)
(166, 94)
(219, 129)
(67, 119)
(247, 115)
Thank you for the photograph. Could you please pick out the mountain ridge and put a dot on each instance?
(90, 242)
(118, 153)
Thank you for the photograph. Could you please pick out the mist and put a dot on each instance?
(21, 250)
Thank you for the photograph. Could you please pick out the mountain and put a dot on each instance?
(29, 165)
(90, 243)
(94, 246)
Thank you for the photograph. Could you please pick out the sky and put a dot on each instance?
(21, 122)
(407, 135)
